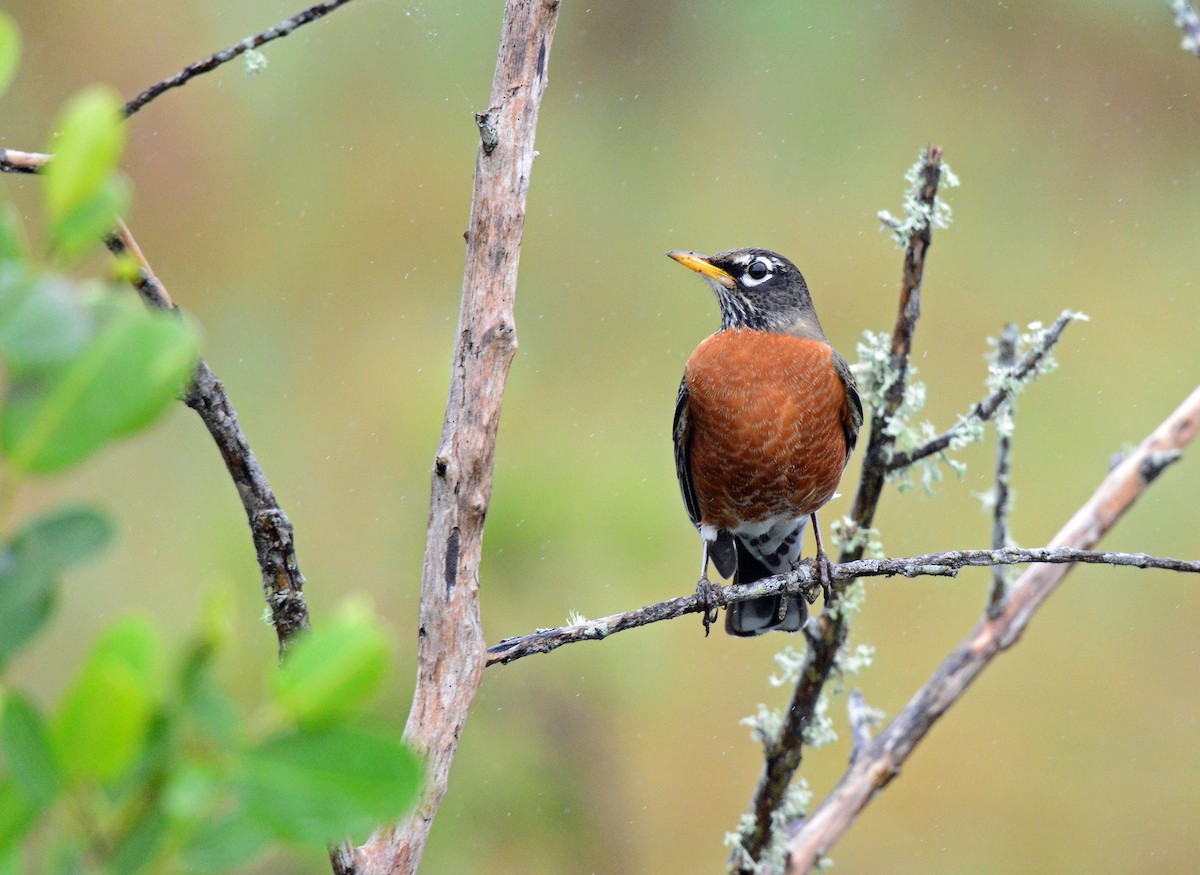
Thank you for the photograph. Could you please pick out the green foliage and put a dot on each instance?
(123, 377)
(31, 563)
(334, 669)
(146, 764)
(83, 194)
(10, 51)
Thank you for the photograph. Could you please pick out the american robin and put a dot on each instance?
(765, 421)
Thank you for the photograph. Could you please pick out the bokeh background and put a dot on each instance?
(311, 218)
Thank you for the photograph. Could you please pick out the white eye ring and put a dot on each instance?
(758, 271)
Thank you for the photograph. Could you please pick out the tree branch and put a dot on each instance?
(206, 65)
(989, 406)
(1006, 351)
(451, 647)
(802, 581)
(274, 544)
(881, 760)
(15, 161)
(784, 754)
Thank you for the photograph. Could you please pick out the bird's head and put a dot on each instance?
(757, 289)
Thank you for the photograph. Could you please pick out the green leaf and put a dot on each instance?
(12, 861)
(85, 224)
(17, 816)
(89, 143)
(63, 538)
(140, 843)
(12, 233)
(135, 364)
(226, 843)
(332, 670)
(10, 50)
(103, 721)
(31, 564)
(42, 322)
(311, 788)
(29, 759)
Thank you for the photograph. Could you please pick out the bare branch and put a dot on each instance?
(802, 581)
(274, 544)
(881, 760)
(1006, 351)
(206, 65)
(989, 406)
(451, 648)
(15, 161)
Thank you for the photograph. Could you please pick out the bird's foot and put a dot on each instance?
(713, 598)
(825, 576)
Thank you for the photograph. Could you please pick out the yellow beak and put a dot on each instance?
(702, 266)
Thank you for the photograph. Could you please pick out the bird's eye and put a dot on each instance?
(758, 269)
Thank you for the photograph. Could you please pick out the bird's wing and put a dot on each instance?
(852, 413)
(682, 435)
(721, 551)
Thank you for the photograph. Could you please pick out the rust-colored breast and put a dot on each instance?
(765, 419)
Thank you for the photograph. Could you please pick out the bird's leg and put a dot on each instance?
(711, 594)
(824, 566)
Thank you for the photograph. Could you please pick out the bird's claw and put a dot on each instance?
(713, 598)
(825, 576)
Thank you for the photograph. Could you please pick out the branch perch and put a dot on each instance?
(802, 581)
(451, 647)
(881, 759)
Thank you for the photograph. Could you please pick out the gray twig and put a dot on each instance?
(803, 581)
(283, 584)
(863, 720)
(989, 406)
(205, 65)
(1006, 351)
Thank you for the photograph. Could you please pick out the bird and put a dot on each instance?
(766, 418)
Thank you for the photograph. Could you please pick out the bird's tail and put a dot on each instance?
(782, 613)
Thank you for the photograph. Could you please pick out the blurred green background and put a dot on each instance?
(311, 219)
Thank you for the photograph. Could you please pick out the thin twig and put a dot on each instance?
(274, 544)
(802, 581)
(784, 756)
(882, 759)
(205, 65)
(1006, 351)
(862, 719)
(988, 407)
(451, 648)
(15, 161)
(1189, 22)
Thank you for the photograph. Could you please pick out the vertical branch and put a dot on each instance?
(784, 754)
(1006, 353)
(451, 647)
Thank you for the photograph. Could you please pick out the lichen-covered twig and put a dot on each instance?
(216, 59)
(881, 760)
(784, 754)
(283, 584)
(450, 646)
(1189, 22)
(1024, 369)
(802, 581)
(1006, 352)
